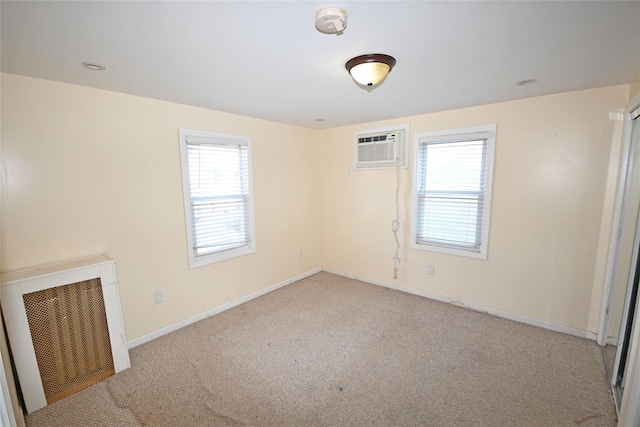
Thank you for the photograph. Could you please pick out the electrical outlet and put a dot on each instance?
(431, 270)
(157, 297)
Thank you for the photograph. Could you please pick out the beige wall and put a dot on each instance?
(550, 175)
(88, 171)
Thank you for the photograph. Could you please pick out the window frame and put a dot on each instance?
(196, 260)
(486, 132)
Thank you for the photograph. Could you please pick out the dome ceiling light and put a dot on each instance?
(370, 69)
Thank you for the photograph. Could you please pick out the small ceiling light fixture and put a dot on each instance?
(93, 66)
(526, 82)
(370, 69)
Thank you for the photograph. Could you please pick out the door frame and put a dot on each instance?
(633, 272)
(622, 190)
(629, 411)
(7, 418)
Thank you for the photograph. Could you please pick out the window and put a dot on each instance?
(452, 191)
(216, 175)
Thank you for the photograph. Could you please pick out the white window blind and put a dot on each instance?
(452, 200)
(219, 205)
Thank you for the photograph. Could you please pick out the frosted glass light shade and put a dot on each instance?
(370, 73)
(369, 70)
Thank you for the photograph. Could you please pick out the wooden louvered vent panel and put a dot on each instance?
(68, 326)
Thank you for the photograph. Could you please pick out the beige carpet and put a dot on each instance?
(330, 351)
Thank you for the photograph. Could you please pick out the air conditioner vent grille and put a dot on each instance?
(381, 148)
(372, 138)
(376, 152)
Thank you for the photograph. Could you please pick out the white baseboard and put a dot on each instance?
(476, 307)
(612, 341)
(437, 297)
(193, 319)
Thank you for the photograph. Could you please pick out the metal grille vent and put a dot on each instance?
(381, 148)
(68, 326)
(377, 152)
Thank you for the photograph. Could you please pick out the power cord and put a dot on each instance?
(395, 225)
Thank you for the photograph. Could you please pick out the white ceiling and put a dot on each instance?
(266, 59)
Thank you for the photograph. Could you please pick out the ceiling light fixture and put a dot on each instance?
(370, 69)
(93, 66)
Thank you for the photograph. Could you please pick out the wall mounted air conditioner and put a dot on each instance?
(382, 148)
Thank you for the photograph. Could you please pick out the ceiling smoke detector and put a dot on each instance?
(331, 20)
